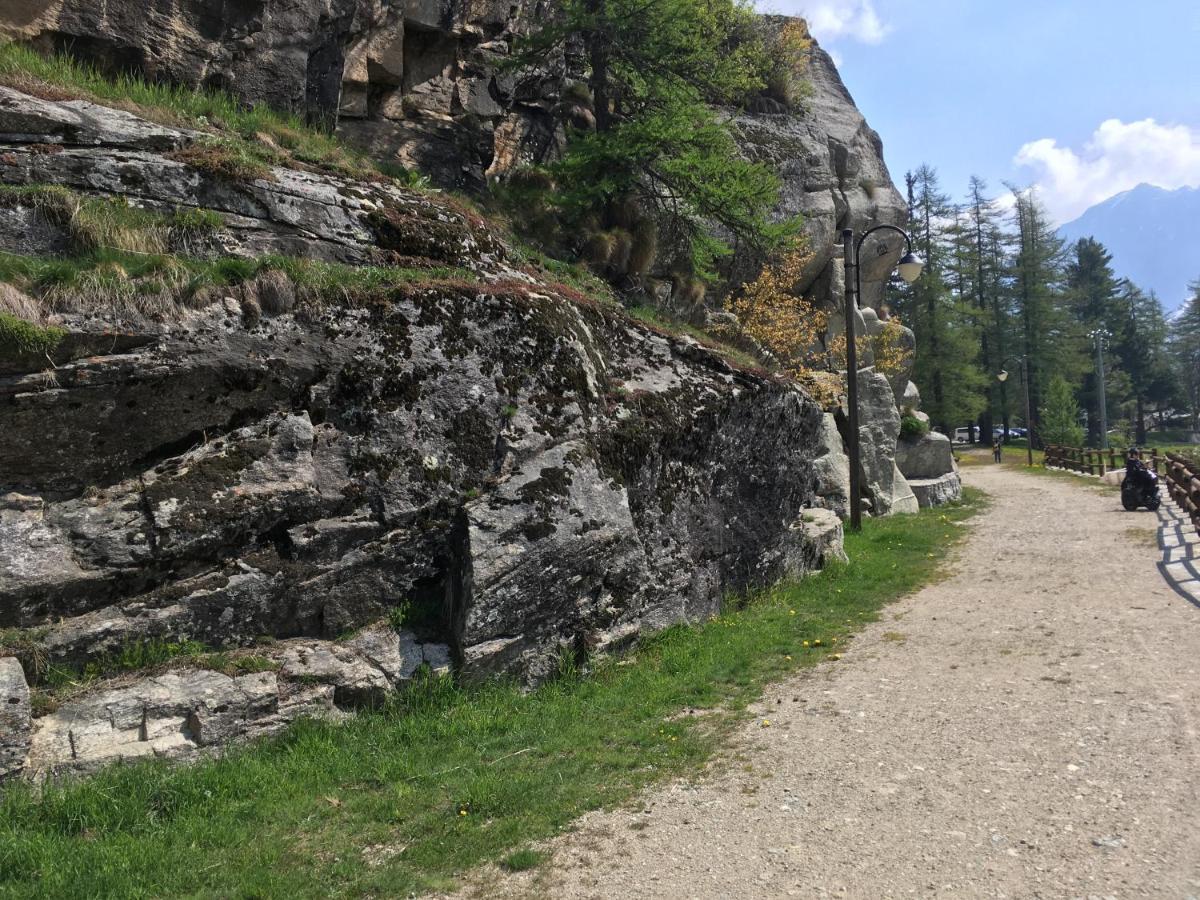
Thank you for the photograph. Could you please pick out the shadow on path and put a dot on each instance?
(1180, 547)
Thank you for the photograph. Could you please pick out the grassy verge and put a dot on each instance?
(403, 798)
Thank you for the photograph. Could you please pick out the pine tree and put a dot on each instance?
(1091, 289)
(982, 247)
(655, 71)
(1044, 333)
(1185, 350)
(1140, 345)
(946, 367)
(1060, 414)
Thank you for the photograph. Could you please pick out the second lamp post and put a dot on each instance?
(910, 267)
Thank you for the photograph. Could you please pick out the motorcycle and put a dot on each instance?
(1140, 492)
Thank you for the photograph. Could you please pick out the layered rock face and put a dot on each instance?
(485, 471)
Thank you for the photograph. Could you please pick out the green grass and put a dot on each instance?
(20, 337)
(158, 285)
(96, 224)
(449, 777)
(523, 860)
(266, 136)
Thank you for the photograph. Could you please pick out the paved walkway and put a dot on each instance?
(1026, 728)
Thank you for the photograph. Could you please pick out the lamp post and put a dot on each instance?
(910, 269)
(1099, 335)
(1003, 377)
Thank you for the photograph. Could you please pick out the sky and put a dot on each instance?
(1082, 98)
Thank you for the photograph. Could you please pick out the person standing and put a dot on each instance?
(997, 453)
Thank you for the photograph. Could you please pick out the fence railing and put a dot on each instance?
(1095, 462)
(1183, 483)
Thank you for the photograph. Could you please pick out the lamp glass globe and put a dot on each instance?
(910, 267)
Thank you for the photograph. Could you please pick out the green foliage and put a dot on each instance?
(1060, 415)
(912, 428)
(654, 72)
(1185, 354)
(230, 160)
(448, 776)
(132, 657)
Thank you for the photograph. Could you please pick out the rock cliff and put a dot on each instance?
(317, 494)
(420, 83)
(275, 490)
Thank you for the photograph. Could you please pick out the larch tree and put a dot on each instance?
(655, 73)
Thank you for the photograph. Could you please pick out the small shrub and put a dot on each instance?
(399, 614)
(912, 428)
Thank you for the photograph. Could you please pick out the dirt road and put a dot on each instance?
(1026, 728)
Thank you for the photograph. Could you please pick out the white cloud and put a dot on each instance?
(1118, 156)
(855, 19)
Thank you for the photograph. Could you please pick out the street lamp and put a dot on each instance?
(910, 267)
(1099, 335)
(1003, 377)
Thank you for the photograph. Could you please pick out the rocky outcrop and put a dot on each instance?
(487, 470)
(417, 83)
(832, 173)
(422, 84)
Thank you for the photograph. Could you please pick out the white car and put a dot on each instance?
(962, 435)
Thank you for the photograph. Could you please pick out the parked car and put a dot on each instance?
(962, 435)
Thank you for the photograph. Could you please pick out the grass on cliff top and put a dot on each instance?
(161, 286)
(266, 136)
(662, 323)
(401, 800)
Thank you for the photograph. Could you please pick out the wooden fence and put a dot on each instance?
(1095, 462)
(1183, 483)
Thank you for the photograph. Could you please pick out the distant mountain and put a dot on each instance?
(1153, 235)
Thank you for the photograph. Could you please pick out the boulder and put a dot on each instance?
(910, 398)
(15, 718)
(937, 491)
(832, 466)
(824, 539)
(930, 456)
(175, 714)
(879, 428)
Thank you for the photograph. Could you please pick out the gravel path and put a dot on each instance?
(1025, 728)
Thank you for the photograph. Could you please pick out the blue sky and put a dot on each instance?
(1084, 98)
